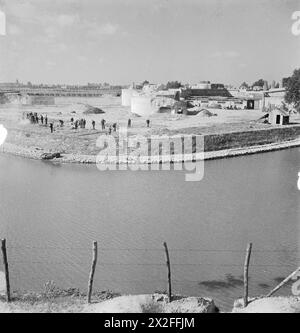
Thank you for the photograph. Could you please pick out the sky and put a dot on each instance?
(125, 41)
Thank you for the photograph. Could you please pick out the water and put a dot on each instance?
(50, 214)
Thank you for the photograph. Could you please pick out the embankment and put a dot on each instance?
(72, 301)
(216, 142)
(104, 302)
(215, 146)
(250, 142)
(278, 304)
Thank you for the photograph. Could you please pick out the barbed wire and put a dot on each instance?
(146, 264)
(149, 249)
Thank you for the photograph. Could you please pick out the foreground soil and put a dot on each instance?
(72, 301)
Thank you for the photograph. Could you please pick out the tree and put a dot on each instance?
(285, 81)
(244, 85)
(266, 86)
(145, 83)
(173, 85)
(273, 84)
(292, 95)
(259, 83)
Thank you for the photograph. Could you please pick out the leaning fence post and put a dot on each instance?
(6, 271)
(92, 272)
(169, 272)
(246, 277)
(285, 281)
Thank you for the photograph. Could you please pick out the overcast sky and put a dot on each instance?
(124, 41)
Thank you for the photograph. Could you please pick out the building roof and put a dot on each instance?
(206, 93)
(279, 111)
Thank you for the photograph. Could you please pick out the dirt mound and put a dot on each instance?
(164, 109)
(278, 304)
(85, 109)
(155, 303)
(194, 110)
(205, 113)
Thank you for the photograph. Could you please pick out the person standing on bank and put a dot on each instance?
(51, 127)
(103, 124)
(148, 122)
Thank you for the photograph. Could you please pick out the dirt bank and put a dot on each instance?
(37, 152)
(105, 302)
(72, 301)
(269, 305)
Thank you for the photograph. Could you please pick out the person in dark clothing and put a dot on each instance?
(114, 127)
(93, 124)
(42, 119)
(46, 120)
(103, 124)
(148, 122)
(72, 120)
(51, 127)
(129, 122)
(84, 123)
(76, 124)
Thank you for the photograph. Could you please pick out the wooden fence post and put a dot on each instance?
(6, 271)
(169, 272)
(92, 272)
(285, 281)
(246, 270)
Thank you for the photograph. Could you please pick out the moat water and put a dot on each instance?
(51, 213)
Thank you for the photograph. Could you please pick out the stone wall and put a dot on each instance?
(215, 142)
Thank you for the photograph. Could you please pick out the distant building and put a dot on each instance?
(206, 89)
(257, 88)
(42, 100)
(274, 97)
(217, 86)
(202, 85)
(279, 117)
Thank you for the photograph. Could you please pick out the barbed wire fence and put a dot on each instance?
(166, 265)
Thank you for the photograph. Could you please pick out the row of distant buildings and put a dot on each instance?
(47, 93)
(43, 94)
(151, 99)
(20, 86)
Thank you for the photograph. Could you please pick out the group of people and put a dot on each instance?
(35, 118)
(111, 128)
(79, 123)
